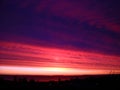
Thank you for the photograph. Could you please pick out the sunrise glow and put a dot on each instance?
(34, 60)
(59, 44)
(59, 37)
(14, 70)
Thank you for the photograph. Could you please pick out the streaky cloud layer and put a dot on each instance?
(79, 35)
(14, 54)
(86, 24)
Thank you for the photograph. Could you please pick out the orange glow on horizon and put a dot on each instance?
(17, 70)
(21, 59)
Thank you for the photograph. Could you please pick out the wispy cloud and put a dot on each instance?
(60, 33)
(28, 55)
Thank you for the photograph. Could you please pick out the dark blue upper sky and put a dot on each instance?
(88, 25)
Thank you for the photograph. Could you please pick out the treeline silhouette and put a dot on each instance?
(99, 82)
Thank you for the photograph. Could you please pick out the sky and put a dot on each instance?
(59, 37)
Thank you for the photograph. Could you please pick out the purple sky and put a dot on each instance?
(91, 26)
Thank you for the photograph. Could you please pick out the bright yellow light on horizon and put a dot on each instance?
(56, 69)
(36, 70)
(17, 70)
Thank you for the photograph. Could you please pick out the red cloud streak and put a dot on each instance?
(43, 60)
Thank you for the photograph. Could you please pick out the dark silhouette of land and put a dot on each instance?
(74, 83)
